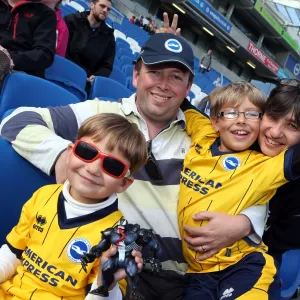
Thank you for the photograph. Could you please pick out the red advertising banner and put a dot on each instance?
(262, 57)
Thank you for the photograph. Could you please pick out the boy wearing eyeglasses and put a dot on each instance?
(222, 173)
(41, 257)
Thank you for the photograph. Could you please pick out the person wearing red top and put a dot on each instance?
(132, 20)
(27, 32)
(62, 31)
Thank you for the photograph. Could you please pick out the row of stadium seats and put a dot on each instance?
(65, 84)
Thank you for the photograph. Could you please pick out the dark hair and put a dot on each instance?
(282, 100)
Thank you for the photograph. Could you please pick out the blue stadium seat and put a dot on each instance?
(121, 45)
(106, 87)
(109, 22)
(118, 75)
(117, 63)
(191, 95)
(128, 70)
(129, 84)
(122, 42)
(19, 180)
(20, 89)
(125, 51)
(126, 60)
(290, 273)
(68, 75)
(83, 4)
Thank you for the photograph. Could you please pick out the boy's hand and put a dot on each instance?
(221, 231)
(167, 29)
(120, 274)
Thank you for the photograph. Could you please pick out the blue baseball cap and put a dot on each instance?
(167, 47)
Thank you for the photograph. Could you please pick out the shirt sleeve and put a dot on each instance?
(198, 125)
(8, 263)
(40, 135)
(258, 218)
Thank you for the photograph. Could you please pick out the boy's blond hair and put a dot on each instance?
(234, 94)
(124, 136)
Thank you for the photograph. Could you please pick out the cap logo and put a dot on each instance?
(173, 45)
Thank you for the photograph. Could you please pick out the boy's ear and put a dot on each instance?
(215, 123)
(125, 184)
(69, 151)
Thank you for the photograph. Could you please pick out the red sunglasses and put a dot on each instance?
(109, 164)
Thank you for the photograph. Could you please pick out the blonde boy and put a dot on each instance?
(61, 222)
(222, 173)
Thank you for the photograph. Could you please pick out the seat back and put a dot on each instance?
(126, 60)
(109, 88)
(128, 70)
(20, 89)
(118, 75)
(19, 180)
(290, 273)
(68, 75)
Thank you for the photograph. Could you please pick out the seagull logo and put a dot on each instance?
(230, 163)
(173, 45)
(76, 248)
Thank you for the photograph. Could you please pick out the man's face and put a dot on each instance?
(100, 9)
(278, 134)
(160, 90)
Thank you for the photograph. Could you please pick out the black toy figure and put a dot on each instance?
(126, 237)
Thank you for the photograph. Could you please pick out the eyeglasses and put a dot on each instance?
(233, 114)
(103, 6)
(151, 166)
(291, 82)
(109, 164)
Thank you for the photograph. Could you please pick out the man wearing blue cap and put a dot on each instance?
(163, 75)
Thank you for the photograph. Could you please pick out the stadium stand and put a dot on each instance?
(69, 88)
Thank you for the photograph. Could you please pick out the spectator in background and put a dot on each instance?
(145, 24)
(91, 42)
(132, 20)
(217, 82)
(62, 32)
(205, 62)
(137, 22)
(27, 31)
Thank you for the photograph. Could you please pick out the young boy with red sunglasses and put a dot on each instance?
(41, 257)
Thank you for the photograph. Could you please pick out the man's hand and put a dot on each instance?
(61, 167)
(120, 274)
(91, 79)
(167, 29)
(221, 231)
